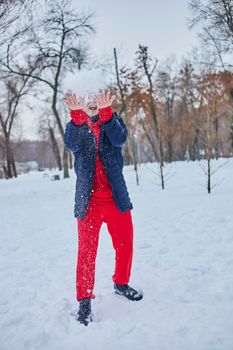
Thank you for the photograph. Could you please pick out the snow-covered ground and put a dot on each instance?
(183, 261)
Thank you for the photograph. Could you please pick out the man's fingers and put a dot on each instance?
(104, 99)
(66, 97)
(69, 98)
(73, 101)
(112, 99)
(99, 98)
(82, 100)
(73, 98)
(108, 96)
(102, 96)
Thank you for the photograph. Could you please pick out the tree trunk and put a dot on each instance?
(197, 144)
(14, 171)
(5, 172)
(170, 149)
(55, 148)
(209, 152)
(134, 150)
(65, 163)
(8, 158)
(61, 130)
(131, 142)
(161, 176)
(216, 138)
(209, 176)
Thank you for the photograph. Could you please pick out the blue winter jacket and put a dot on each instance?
(81, 141)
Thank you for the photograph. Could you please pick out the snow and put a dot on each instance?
(182, 261)
(85, 81)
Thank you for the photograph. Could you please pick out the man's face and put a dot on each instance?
(91, 108)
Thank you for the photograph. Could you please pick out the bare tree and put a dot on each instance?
(48, 131)
(231, 103)
(167, 86)
(12, 92)
(131, 140)
(56, 47)
(191, 102)
(216, 21)
(10, 11)
(148, 66)
(212, 90)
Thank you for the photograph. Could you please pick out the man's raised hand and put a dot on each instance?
(105, 100)
(73, 102)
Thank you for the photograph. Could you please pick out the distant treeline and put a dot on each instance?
(173, 110)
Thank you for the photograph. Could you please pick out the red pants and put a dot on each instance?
(120, 227)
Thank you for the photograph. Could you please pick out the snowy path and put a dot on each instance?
(183, 261)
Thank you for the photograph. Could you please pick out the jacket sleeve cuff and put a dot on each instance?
(105, 113)
(78, 116)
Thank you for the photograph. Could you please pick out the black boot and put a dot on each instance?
(128, 292)
(84, 312)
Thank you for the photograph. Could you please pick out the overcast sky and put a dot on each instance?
(160, 24)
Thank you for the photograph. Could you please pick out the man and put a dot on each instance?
(95, 135)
